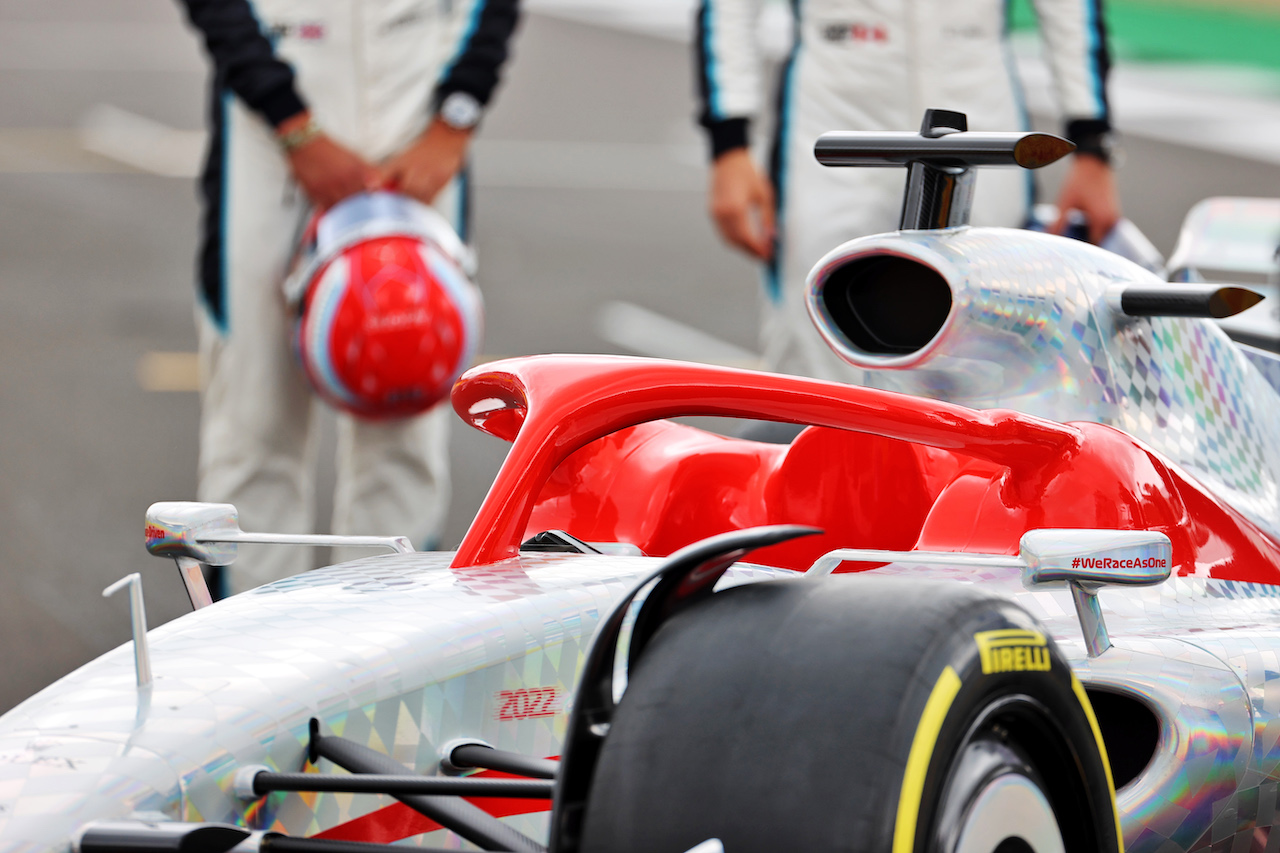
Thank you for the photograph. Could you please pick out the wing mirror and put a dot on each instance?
(1085, 560)
(1081, 560)
(194, 533)
(200, 531)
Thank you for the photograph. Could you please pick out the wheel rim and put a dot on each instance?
(1010, 815)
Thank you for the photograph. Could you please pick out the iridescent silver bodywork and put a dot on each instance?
(1030, 329)
(404, 654)
(400, 653)
(1204, 655)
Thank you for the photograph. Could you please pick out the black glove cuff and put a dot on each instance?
(727, 135)
(1092, 137)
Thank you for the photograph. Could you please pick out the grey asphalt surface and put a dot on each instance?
(589, 189)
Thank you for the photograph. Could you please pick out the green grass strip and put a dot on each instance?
(1164, 31)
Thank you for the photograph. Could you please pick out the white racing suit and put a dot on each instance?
(878, 65)
(371, 72)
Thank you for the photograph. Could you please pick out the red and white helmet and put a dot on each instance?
(388, 315)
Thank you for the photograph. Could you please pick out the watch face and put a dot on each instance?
(460, 110)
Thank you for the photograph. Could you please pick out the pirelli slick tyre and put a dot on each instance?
(852, 713)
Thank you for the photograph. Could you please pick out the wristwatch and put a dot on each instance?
(460, 110)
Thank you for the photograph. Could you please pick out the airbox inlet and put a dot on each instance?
(887, 305)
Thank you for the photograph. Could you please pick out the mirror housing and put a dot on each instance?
(1095, 558)
(1086, 560)
(185, 528)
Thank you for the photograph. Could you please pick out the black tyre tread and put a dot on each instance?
(783, 638)
(780, 715)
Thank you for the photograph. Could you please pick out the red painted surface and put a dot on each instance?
(882, 470)
(553, 405)
(397, 821)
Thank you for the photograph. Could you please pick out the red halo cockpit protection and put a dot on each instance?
(388, 316)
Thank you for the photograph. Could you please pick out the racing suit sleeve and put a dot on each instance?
(728, 68)
(1075, 38)
(482, 49)
(243, 59)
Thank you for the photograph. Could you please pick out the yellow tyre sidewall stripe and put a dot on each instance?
(1078, 688)
(926, 737)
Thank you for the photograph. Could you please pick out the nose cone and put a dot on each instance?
(52, 784)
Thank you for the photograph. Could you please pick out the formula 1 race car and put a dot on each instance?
(1030, 604)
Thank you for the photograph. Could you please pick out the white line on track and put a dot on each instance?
(1225, 110)
(622, 324)
(49, 150)
(110, 138)
(652, 334)
(142, 143)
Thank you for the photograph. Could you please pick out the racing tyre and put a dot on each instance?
(852, 713)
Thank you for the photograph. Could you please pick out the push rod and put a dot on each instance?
(459, 816)
(488, 758)
(377, 783)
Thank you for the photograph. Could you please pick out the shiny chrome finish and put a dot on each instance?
(1228, 235)
(196, 530)
(243, 785)
(1212, 775)
(209, 534)
(1028, 326)
(1010, 806)
(446, 754)
(193, 580)
(399, 544)
(138, 618)
(1082, 560)
(829, 562)
(1094, 558)
(971, 148)
(193, 533)
(936, 197)
(939, 161)
(1088, 559)
(1202, 654)
(1089, 612)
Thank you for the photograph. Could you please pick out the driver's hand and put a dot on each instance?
(326, 171)
(742, 203)
(423, 169)
(1090, 187)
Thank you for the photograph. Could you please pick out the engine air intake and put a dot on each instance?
(886, 304)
